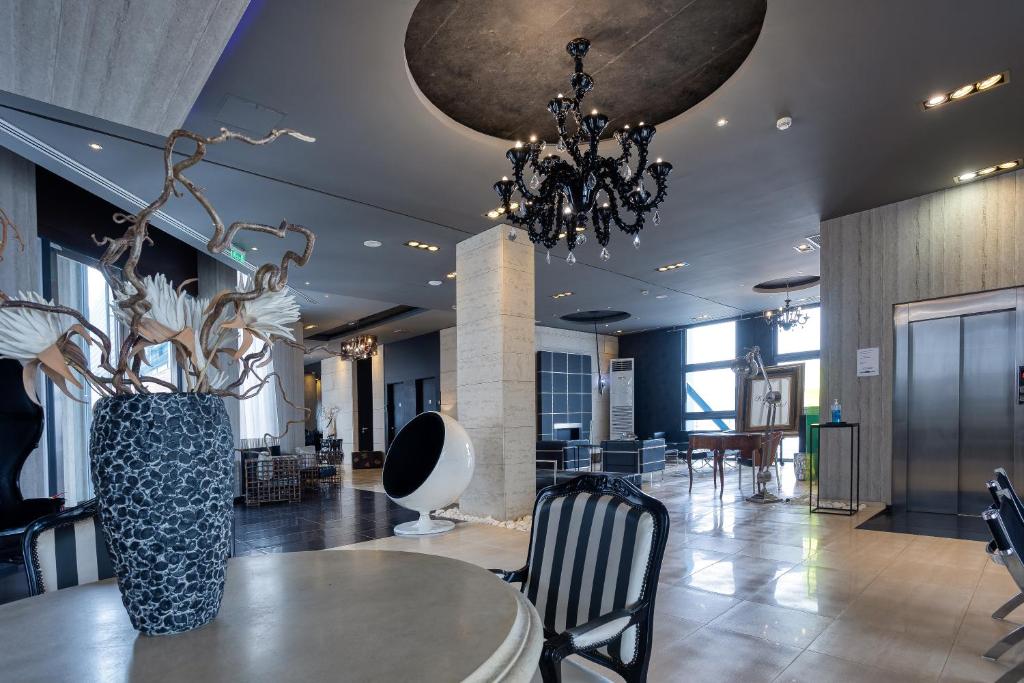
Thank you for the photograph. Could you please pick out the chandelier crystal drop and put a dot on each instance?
(786, 317)
(561, 198)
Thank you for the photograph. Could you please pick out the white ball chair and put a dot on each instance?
(428, 466)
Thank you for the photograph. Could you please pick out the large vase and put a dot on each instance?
(162, 468)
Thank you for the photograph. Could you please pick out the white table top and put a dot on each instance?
(346, 615)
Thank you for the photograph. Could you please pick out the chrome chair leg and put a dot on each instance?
(1010, 605)
(1005, 643)
(1013, 675)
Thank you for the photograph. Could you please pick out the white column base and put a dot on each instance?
(424, 526)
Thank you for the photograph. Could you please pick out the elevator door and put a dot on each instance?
(957, 372)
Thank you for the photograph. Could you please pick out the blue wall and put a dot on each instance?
(657, 381)
(413, 359)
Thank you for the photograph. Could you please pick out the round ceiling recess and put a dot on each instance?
(595, 317)
(791, 283)
(650, 59)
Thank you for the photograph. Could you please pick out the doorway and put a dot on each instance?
(957, 412)
(364, 404)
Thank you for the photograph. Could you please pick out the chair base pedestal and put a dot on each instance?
(764, 497)
(424, 526)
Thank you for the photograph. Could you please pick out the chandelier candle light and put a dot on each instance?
(786, 317)
(565, 195)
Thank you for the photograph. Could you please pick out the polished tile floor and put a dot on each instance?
(771, 593)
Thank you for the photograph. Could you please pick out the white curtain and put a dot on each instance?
(258, 415)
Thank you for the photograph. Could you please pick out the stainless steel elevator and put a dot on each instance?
(958, 399)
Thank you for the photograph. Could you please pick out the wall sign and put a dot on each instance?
(867, 362)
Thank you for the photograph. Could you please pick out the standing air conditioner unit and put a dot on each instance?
(621, 398)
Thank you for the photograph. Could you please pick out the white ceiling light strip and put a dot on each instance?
(165, 221)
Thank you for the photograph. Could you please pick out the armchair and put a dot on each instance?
(613, 536)
(1006, 523)
(66, 549)
(21, 426)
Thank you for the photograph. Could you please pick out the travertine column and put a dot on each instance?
(379, 405)
(496, 368)
(449, 365)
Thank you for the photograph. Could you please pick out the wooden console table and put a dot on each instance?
(718, 443)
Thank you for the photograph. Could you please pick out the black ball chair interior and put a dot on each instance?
(21, 426)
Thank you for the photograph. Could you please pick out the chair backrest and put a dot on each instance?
(66, 549)
(1002, 480)
(21, 426)
(596, 546)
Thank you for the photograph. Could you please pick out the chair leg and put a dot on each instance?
(1010, 605)
(689, 466)
(1013, 675)
(550, 666)
(1007, 641)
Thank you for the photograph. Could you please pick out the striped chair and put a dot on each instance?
(592, 572)
(66, 549)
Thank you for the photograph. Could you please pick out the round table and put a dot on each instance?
(352, 615)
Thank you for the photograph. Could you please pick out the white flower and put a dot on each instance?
(271, 315)
(168, 307)
(26, 332)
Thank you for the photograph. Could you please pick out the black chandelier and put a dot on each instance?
(564, 194)
(786, 317)
(359, 348)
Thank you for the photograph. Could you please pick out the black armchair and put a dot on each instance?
(624, 532)
(21, 426)
(642, 456)
(1005, 519)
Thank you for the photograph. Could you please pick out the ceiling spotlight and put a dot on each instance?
(804, 248)
(307, 284)
(987, 83)
(254, 248)
(309, 327)
(451, 275)
(784, 122)
(661, 296)
(373, 244)
(95, 146)
(618, 331)
(962, 91)
(968, 176)
(493, 213)
(434, 283)
(561, 295)
(722, 122)
(672, 266)
(415, 244)
(966, 90)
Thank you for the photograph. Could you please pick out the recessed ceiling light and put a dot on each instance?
(307, 284)
(962, 91)
(434, 283)
(784, 123)
(415, 244)
(452, 275)
(309, 327)
(722, 122)
(804, 248)
(618, 331)
(966, 90)
(397, 331)
(661, 296)
(493, 213)
(672, 266)
(968, 176)
(561, 295)
(326, 295)
(373, 244)
(95, 146)
(254, 248)
(987, 83)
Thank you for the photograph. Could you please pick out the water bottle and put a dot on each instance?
(837, 411)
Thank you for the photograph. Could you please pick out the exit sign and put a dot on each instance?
(236, 254)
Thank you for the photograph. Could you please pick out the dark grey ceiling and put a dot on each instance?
(493, 65)
(388, 166)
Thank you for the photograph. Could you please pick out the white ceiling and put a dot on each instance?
(388, 166)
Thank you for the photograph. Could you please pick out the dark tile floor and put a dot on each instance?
(899, 521)
(323, 519)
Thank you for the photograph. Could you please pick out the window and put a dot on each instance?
(709, 384)
(258, 414)
(801, 339)
(710, 343)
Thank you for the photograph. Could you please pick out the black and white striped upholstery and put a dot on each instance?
(592, 572)
(66, 549)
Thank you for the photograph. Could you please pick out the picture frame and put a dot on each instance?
(751, 412)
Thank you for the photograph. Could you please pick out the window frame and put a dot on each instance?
(796, 356)
(713, 365)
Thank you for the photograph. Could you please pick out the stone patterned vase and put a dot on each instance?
(162, 468)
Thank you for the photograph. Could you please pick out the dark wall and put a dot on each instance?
(413, 359)
(657, 381)
(68, 216)
(564, 394)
